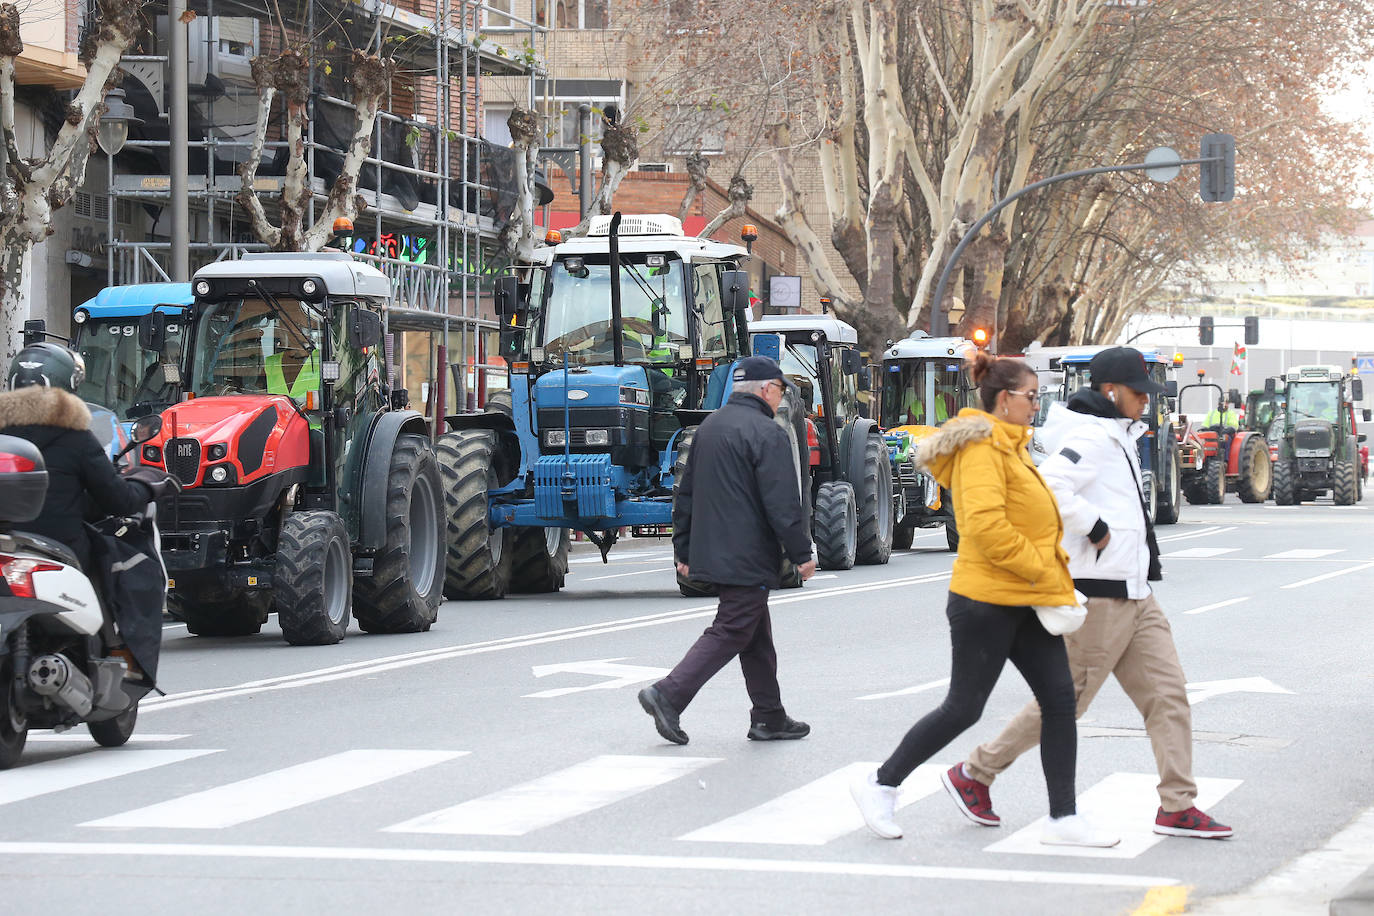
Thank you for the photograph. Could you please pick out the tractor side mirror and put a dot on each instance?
(35, 331)
(364, 328)
(1361, 437)
(147, 428)
(1270, 386)
(1233, 397)
(1367, 415)
(1357, 389)
(152, 331)
(852, 363)
(735, 284)
(1171, 387)
(507, 292)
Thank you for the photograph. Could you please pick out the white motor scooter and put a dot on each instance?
(57, 669)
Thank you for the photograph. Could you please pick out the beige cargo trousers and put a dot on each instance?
(1131, 639)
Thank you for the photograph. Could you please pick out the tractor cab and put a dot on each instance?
(286, 445)
(121, 375)
(1262, 408)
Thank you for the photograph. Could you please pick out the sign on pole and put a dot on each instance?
(784, 292)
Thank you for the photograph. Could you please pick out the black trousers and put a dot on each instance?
(984, 637)
(742, 627)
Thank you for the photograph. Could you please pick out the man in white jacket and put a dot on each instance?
(1094, 472)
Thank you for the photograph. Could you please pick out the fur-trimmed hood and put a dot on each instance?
(936, 452)
(38, 406)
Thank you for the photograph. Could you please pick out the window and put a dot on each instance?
(494, 126)
(583, 14)
(706, 300)
(93, 206)
(846, 387)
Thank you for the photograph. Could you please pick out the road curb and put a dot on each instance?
(1357, 899)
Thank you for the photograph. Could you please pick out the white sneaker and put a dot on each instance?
(878, 805)
(1075, 830)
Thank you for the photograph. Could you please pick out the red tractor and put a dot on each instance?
(1218, 455)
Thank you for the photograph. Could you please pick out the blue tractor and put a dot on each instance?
(121, 376)
(620, 343)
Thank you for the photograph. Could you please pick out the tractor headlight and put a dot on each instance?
(202, 288)
(556, 437)
(308, 287)
(219, 474)
(80, 316)
(218, 451)
(598, 436)
(152, 454)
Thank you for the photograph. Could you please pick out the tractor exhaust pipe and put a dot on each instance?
(617, 322)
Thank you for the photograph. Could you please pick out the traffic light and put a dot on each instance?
(980, 338)
(1251, 330)
(1205, 332)
(1217, 179)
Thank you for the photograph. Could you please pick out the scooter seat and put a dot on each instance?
(55, 549)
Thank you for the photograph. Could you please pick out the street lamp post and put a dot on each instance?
(111, 134)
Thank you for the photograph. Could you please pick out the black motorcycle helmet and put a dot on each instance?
(48, 364)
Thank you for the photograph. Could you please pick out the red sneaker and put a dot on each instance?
(970, 795)
(1191, 822)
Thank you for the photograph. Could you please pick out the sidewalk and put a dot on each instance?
(1337, 879)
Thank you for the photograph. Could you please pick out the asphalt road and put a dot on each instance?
(500, 762)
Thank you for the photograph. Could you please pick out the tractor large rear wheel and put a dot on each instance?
(1285, 490)
(690, 588)
(213, 611)
(403, 593)
(835, 526)
(1256, 471)
(1345, 483)
(539, 560)
(873, 500)
(1169, 497)
(313, 583)
(479, 556)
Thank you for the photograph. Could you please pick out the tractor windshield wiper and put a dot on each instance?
(291, 325)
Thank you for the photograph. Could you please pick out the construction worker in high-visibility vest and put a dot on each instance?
(916, 409)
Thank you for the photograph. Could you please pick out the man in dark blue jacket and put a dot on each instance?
(737, 514)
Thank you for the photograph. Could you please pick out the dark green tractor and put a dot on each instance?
(1318, 448)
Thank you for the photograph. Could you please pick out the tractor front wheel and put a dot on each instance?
(1285, 491)
(1169, 497)
(313, 584)
(873, 499)
(479, 556)
(835, 526)
(951, 526)
(215, 611)
(1256, 471)
(403, 593)
(1214, 481)
(539, 561)
(1345, 483)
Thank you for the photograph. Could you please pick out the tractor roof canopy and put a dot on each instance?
(135, 299)
(340, 273)
(916, 347)
(834, 329)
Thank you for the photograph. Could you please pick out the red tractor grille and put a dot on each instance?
(183, 459)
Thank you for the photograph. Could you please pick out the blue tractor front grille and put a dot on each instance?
(586, 484)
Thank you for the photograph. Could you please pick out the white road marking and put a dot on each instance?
(556, 797)
(906, 691)
(1303, 553)
(1123, 803)
(620, 675)
(83, 738)
(639, 572)
(815, 813)
(172, 626)
(616, 558)
(1202, 532)
(1198, 553)
(153, 852)
(426, 656)
(1205, 690)
(280, 790)
(69, 772)
(1330, 575)
(823, 576)
(1220, 604)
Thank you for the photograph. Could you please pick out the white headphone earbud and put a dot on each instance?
(1111, 396)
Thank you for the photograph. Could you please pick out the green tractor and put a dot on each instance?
(1318, 448)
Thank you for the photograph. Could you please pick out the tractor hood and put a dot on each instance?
(607, 412)
(1312, 438)
(250, 436)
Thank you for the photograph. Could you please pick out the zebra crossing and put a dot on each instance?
(812, 814)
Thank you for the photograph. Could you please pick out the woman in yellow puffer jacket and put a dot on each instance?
(1009, 559)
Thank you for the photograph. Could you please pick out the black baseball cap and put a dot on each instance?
(759, 369)
(1123, 366)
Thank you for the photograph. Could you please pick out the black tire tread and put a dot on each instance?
(875, 539)
(533, 570)
(835, 541)
(298, 580)
(1285, 493)
(115, 732)
(470, 570)
(386, 601)
(1171, 494)
(1214, 480)
(1345, 483)
(215, 611)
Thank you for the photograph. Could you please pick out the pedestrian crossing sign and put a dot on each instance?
(1364, 364)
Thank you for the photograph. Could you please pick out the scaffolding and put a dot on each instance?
(437, 193)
